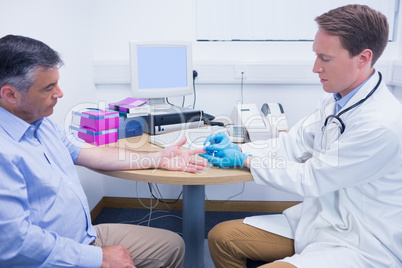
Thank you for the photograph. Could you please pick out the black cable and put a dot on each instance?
(195, 95)
(195, 74)
(150, 190)
(167, 100)
(177, 199)
(162, 199)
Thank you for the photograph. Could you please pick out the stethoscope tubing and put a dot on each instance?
(337, 117)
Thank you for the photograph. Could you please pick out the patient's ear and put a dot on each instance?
(9, 94)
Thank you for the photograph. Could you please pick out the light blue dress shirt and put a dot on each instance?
(44, 213)
(341, 102)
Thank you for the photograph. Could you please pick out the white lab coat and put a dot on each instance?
(351, 184)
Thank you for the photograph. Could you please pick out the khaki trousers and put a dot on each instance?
(231, 243)
(149, 247)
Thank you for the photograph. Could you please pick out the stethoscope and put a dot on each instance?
(337, 117)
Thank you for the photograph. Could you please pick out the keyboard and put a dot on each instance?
(195, 137)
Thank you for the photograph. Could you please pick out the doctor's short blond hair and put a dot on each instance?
(359, 27)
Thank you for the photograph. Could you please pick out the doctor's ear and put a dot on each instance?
(364, 58)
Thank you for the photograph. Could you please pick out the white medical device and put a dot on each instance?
(260, 124)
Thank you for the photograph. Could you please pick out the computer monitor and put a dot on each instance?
(160, 70)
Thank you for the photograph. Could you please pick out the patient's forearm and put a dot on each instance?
(106, 158)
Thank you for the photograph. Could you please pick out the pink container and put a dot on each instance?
(99, 120)
(97, 137)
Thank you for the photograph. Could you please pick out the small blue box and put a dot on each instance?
(130, 127)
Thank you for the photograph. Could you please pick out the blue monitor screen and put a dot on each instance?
(162, 67)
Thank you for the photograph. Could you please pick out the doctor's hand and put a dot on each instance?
(226, 158)
(219, 141)
(177, 158)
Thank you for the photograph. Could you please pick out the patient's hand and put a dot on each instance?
(116, 256)
(176, 158)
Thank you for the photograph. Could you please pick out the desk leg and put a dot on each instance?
(194, 225)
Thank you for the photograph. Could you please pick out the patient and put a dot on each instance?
(44, 215)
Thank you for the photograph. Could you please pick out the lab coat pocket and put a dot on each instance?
(331, 134)
(329, 150)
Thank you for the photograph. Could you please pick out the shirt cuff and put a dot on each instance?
(90, 256)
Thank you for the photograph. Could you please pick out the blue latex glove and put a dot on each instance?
(219, 141)
(226, 158)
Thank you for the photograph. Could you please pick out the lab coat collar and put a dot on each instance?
(363, 91)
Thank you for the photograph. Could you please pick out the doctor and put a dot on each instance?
(344, 160)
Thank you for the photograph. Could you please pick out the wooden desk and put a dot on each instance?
(193, 193)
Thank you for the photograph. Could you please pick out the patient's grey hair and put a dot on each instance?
(20, 59)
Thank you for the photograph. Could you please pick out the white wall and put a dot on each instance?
(215, 63)
(66, 27)
(96, 32)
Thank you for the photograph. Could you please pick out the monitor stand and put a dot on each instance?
(164, 117)
(159, 104)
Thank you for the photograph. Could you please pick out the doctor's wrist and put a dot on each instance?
(247, 161)
(239, 148)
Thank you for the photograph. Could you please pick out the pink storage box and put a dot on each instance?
(96, 137)
(98, 120)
